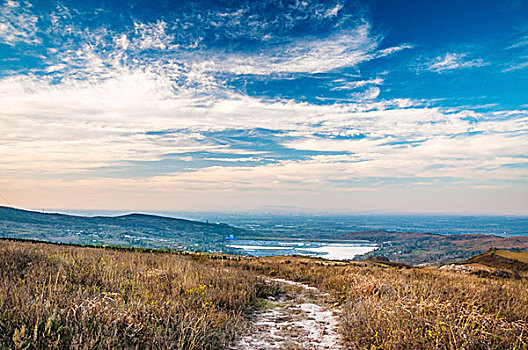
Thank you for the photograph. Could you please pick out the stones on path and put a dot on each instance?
(299, 319)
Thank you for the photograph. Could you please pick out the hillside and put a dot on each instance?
(514, 255)
(66, 297)
(428, 248)
(502, 259)
(130, 230)
(153, 231)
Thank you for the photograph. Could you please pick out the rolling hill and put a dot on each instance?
(130, 230)
(71, 297)
(153, 231)
(502, 259)
(429, 248)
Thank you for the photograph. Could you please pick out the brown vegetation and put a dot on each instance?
(70, 297)
(432, 249)
(513, 255)
(502, 259)
(418, 308)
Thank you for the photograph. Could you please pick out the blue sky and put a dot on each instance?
(346, 106)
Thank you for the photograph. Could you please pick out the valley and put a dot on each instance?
(325, 237)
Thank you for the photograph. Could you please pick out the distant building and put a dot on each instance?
(230, 238)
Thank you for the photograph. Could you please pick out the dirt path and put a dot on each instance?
(300, 319)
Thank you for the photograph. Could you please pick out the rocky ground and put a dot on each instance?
(301, 318)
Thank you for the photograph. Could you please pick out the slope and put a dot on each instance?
(132, 230)
(501, 259)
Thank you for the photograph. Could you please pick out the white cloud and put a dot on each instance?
(352, 85)
(99, 102)
(391, 50)
(517, 65)
(304, 56)
(56, 132)
(17, 23)
(82, 125)
(453, 61)
(519, 43)
(332, 12)
(150, 36)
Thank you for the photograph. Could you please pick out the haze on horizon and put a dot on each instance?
(346, 106)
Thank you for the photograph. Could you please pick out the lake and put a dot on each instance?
(330, 250)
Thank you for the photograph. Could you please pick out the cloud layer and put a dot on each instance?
(162, 104)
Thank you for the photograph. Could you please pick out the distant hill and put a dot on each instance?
(430, 248)
(132, 229)
(502, 259)
(153, 231)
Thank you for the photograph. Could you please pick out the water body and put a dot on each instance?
(325, 250)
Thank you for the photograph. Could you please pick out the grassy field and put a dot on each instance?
(84, 298)
(519, 256)
(417, 308)
(503, 260)
(73, 297)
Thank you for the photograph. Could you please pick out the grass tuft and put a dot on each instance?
(54, 296)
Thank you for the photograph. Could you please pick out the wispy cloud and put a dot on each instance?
(17, 23)
(342, 84)
(518, 53)
(516, 66)
(519, 43)
(150, 105)
(306, 55)
(453, 61)
(74, 127)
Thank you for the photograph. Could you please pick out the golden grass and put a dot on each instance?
(85, 298)
(519, 256)
(391, 308)
(82, 298)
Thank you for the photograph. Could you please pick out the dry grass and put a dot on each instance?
(519, 256)
(70, 297)
(391, 308)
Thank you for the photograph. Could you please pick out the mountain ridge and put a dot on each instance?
(134, 229)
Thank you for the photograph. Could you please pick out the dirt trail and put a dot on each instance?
(299, 319)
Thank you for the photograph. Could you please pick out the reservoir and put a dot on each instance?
(331, 250)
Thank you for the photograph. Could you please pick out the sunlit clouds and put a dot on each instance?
(233, 109)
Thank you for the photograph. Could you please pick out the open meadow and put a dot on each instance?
(386, 307)
(54, 296)
(61, 297)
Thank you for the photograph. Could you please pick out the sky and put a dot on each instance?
(334, 106)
